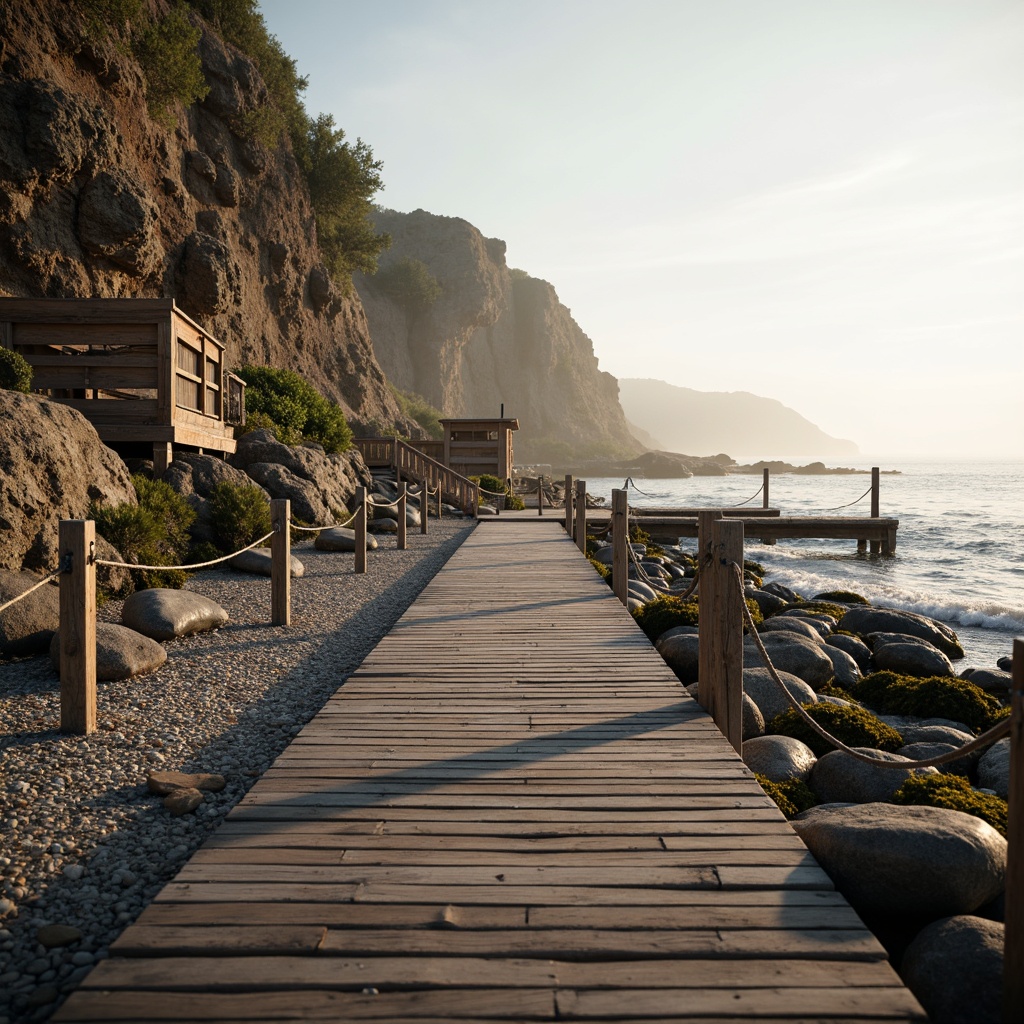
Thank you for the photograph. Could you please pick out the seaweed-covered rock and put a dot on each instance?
(838, 777)
(954, 967)
(956, 794)
(768, 603)
(864, 620)
(778, 758)
(924, 862)
(947, 697)
(850, 725)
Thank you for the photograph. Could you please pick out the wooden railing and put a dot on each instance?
(459, 490)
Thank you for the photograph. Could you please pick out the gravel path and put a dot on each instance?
(82, 842)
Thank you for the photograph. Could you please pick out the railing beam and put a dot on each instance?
(280, 563)
(77, 541)
(1013, 936)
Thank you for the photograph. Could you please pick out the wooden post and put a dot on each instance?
(720, 644)
(705, 546)
(540, 495)
(360, 526)
(581, 515)
(620, 540)
(568, 504)
(280, 563)
(424, 510)
(77, 541)
(439, 499)
(1013, 937)
(764, 487)
(875, 545)
(163, 456)
(402, 493)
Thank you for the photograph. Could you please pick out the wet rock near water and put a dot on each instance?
(798, 655)
(865, 620)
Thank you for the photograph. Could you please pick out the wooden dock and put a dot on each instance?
(511, 811)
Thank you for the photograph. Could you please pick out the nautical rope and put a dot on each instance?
(749, 500)
(985, 739)
(31, 590)
(196, 565)
(629, 483)
(379, 504)
(331, 526)
(848, 504)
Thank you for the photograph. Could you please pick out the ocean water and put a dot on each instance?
(960, 545)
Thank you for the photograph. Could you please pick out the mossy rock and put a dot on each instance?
(837, 611)
(602, 570)
(754, 572)
(841, 597)
(853, 726)
(755, 612)
(663, 613)
(930, 697)
(955, 794)
(791, 796)
(832, 690)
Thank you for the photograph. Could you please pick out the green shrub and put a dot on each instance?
(954, 793)
(15, 373)
(837, 611)
(294, 408)
(853, 726)
(417, 408)
(930, 697)
(602, 570)
(166, 51)
(791, 796)
(239, 514)
(409, 283)
(841, 597)
(154, 532)
(664, 613)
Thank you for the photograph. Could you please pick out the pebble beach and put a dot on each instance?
(85, 845)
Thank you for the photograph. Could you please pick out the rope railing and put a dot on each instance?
(749, 500)
(986, 739)
(856, 501)
(629, 483)
(194, 565)
(31, 590)
(331, 526)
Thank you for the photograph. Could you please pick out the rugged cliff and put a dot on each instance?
(485, 336)
(98, 199)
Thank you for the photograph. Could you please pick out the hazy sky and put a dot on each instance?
(819, 201)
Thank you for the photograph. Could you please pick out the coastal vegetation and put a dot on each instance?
(292, 409)
(239, 514)
(791, 796)
(932, 696)
(15, 372)
(410, 283)
(851, 725)
(955, 794)
(417, 408)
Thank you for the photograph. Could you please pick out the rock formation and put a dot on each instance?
(98, 199)
(489, 337)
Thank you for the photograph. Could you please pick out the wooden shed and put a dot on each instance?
(475, 446)
(140, 370)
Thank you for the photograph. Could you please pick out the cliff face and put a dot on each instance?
(97, 199)
(490, 337)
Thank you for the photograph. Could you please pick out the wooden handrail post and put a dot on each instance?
(280, 563)
(705, 546)
(360, 529)
(720, 643)
(581, 515)
(439, 499)
(540, 495)
(620, 540)
(402, 492)
(765, 486)
(1013, 936)
(875, 545)
(424, 509)
(568, 504)
(77, 541)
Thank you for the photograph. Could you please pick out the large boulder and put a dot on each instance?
(759, 686)
(925, 750)
(341, 538)
(991, 680)
(846, 670)
(260, 562)
(925, 862)
(851, 645)
(864, 620)
(912, 659)
(44, 449)
(681, 654)
(27, 627)
(120, 653)
(118, 220)
(994, 768)
(319, 485)
(778, 758)
(167, 614)
(955, 968)
(838, 777)
(767, 602)
(794, 625)
(791, 653)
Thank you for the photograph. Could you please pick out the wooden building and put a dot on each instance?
(476, 446)
(140, 370)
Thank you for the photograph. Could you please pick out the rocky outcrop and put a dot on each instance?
(52, 465)
(491, 336)
(98, 199)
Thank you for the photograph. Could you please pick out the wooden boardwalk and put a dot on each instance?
(510, 812)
